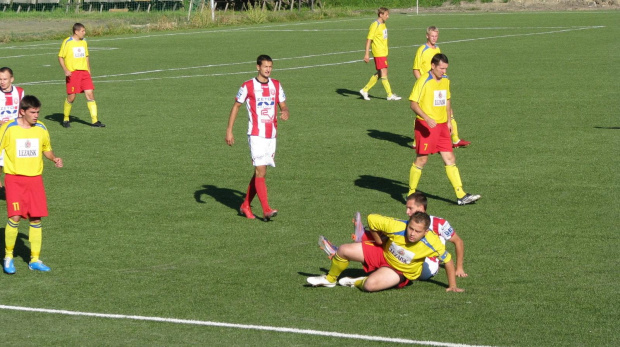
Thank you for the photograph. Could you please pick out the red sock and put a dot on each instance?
(251, 193)
(261, 191)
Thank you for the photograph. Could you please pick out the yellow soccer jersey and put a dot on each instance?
(379, 36)
(423, 58)
(402, 255)
(23, 148)
(74, 52)
(432, 96)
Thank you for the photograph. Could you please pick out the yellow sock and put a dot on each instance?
(35, 237)
(92, 107)
(414, 178)
(455, 131)
(360, 283)
(10, 236)
(371, 83)
(386, 85)
(338, 266)
(455, 179)
(66, 110)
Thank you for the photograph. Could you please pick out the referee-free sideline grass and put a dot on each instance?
(143, 217)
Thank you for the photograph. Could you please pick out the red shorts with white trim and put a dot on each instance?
(79, 81)
(374, 259)
(25, 196)
(432, 140)
(381, 63)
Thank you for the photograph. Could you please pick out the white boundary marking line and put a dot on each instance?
(237, 326)
(98, 78)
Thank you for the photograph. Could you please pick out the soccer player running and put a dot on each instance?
(422, 64)
(416, 202)
(392, 263)
(430, 101)
(262, 96)
(75, 62)
(25, 141)
(378, 38)
(9, 101)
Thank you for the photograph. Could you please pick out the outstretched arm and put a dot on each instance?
(460, 254)
(452, 278)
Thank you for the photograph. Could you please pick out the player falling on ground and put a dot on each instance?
(9, 101)
(25, 141)
(393, 263)
(262, 96)
(75, 62)
(377, 38)
(422, 65)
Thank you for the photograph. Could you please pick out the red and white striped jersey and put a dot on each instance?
(262, 102)
(9, 103)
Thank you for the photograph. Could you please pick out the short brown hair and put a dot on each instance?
(419, 198)
(29, 101)
(420, 217)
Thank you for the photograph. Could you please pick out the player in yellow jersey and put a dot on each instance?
(377, 38)
(25, 141)
(75, 62)
(430, 101)
(422, 64)
(392, 263)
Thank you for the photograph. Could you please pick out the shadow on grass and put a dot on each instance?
(225, 196)
(607, 128)
(395, 189)
(58, 118)
(21, 250)
(398, 139)
(349, 92)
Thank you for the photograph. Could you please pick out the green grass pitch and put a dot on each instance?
(143, 217)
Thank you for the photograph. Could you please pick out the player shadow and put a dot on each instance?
(346, 273)
(398, 139)
(21, 250)
(396, 189)
(3, 193)
(59, 117)
(610, 128)
(349, 92)
(225, 196)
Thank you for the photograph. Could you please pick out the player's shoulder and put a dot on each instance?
(40, 125)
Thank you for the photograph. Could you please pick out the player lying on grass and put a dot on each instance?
(392, 263)
(416, 202)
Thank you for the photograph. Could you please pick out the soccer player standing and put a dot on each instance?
(262, 96)
(9, 101)
(430, 101)
(25, 141)
(422, 65)
(75, 62)
(377, 38)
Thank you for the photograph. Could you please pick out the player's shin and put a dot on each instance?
(92, 108)
(455, 179)
(66, 110)
(455, 131)
(338, 266)
(10, 237)
(35, 236)
(414, 178)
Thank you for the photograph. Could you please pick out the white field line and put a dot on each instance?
(52, 82)
(237, 326)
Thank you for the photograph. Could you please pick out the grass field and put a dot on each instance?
(143, 217)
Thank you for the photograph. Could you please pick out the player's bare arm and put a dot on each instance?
(459, 247)
(61, 60)
(415, 107)
(450, 273)
(376, 236)
(416, 73)
(283, 111)
(50, 155)
(230, 139)
(367, 54)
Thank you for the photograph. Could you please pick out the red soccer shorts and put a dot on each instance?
(374, 259)
(25, 196)
(432, 140)
(381, 63)
(79, 81)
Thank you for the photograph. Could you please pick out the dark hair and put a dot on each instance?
(6, 69)
(439, 57)
(77, 26)
(382, 10)
(419, 198)
(261, 58)
(420, 217)
(29, 101)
